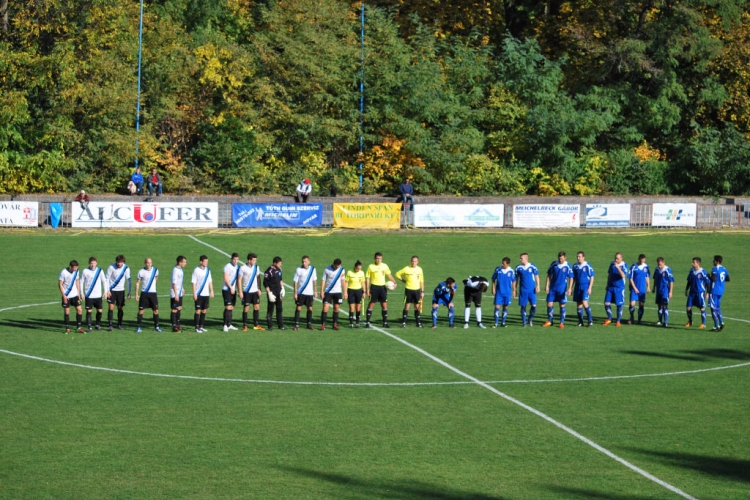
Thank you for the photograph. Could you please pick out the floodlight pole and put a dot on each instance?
(138, 99)
(362, 103)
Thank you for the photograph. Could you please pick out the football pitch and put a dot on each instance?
(636, 412)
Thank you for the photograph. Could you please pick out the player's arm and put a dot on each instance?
(570, 286)
(632, 284)
(687, 287)
(315, 289)
(591, 284)
(130, 283)
(211, 287)
(137, 287)
(323, 285)
(294, 286)
(367, 286)
(345, 288)
(648, 283)
(546, 285)
(400, 275)
(195, 290)
(176, 291)
(62, 291)
(513, 284)
(260, 285)
(671, 287)
(538, 283)
(228, 282)
(421, 283)
(390, 277)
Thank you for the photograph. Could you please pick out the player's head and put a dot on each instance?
(120, 260)
(581, 257)
(696, 262)
(618, 257)
(718, 259)
(336, 263)
(378, 257)
(506, 262)
(305, 261)
(414, 261)
(148, 262)
(450, 281)
(524, 258)
(660, 261)
(642, 258)
(235, 258)
(203, 259)
(561, 257)
(277, 262)
(483, 287)
(357, 266)
(92, 262)
(181, 261)
(252, 258)
(73, 265)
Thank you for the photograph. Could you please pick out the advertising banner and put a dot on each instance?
(546, 216)
(367, 215)
(674, 214)
(277, 214)
(129, 215)
(459, 215)
(19, 213)
(617, 215)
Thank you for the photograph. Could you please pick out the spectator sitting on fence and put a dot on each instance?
(303, 191)
(406, 194)
(137, 180)
(83, 199)
(154, 183)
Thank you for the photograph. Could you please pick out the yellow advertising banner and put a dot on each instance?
(367, 215)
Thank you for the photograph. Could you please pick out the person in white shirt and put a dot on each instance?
(229, 290)
(117, 274)
(93, 288)
(305, 290)
(332, 289)
(203, 290)
(249, 286)
(70, 288)
(176, 292)
(303, 191)
(149, 300)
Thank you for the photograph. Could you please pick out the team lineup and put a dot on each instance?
(245, 284)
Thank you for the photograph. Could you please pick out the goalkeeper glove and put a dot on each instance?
(282, 293)
(271, 297)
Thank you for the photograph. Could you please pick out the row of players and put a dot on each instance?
(245, 282)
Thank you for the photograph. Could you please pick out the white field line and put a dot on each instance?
(528, 408)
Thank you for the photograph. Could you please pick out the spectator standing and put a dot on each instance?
(83, 199)
(154, 183)
(407, 194)
(137, 180)
(303, 191)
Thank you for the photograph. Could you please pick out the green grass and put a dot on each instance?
(69, 432)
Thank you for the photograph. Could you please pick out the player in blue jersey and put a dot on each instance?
(583, 279)
(504, 289)
(617, 275)
(663, 287)
(443, 295)
(719, 276)
(695, 291)
(527, 277)
(639, 286)
(559, 285)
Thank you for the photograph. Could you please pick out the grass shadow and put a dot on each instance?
(701, 355)
(395, 489)
(581, 493)
(735, 469)
(683, 357)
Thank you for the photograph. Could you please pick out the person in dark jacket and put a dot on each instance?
(274, 286)
(406, 192)
(154, 183)
(137, 180)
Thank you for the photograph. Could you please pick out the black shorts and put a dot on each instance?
(378, 293)
(72, 302)
(94, 304)
(355, 296)
(176, 302)
(413, 297)
(230, 298)
(117, 298)
(333, 298)
(249, 298)
(471, 295)
(304, 300)
(202, 302)
(148, 300)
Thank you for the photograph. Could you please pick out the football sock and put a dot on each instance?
(359, 316)
(98, 317)
(385, 315)
(715, 318)
(296, 317)
(109, 317)
(88, 318)
(609, 312)
(67, 321)
(563, 310)
(589, 314)
(580, 314)
(434, 316)
(532, 313)
(467, 314)
(720, 316)
(523, 315)
(550, 314)
(309, 316)
(666, 316)
(703, 317)
(178, 316)
(505, 315)
(497, 315)
(632, 313)
(140, 319)
(323, 318)
(690, 316)
(120, 314)
(451, 314)
(197, 321)
(619, 313)
(156, 320)
(203, 319)
(478, 312)
(244, 318)
(256, 316)
(640, 312)
(79, 319)
(173, 319)
(404, 315)
(227, 317)
(368, 316)
(335, 318)
(417, 315)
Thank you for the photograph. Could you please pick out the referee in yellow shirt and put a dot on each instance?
(375, 287)
(413, 277)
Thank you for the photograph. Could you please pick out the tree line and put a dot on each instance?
(466, 97)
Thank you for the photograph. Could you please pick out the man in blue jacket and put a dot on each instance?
(137, 179)
(407, 193)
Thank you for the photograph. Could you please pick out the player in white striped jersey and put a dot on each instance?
(117, 274)
(229, 290)
(203, 290)
(176, 291)
(92, 287)
(305, 290)
(332, 289)
(249, 286)
(147, 278)
(69, 284)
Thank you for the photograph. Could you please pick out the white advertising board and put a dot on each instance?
(459, 215)
(129, 215)
(674, 214)
(616, 215)
(19, 213)
(546, 216)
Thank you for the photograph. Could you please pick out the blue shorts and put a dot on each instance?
(440, 301)
(503, 300)
(714, 301)
(637, 297)
(527, 298)
(560, 297)
(616, 295)
(662, 300)
(696, 299)
(581, 295)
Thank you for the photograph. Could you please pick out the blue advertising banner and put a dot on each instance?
(277, 214)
